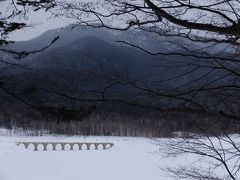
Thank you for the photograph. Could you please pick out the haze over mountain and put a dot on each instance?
(90, 59)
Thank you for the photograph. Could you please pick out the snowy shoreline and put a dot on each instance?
(130, 158)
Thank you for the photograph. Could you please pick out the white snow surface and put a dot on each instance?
(129, 159)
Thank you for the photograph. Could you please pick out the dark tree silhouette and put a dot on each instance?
(208, 35)
(219, 156)
(211, 26)
(8, 25)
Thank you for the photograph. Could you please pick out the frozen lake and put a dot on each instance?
(128, 159)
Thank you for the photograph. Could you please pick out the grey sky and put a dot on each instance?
(39, 23)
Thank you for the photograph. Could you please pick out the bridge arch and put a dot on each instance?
(84, 146)
(40, 147)
(25, 145)
(67, 146)
(29, 145)
(92, 146)
(49, 146)
(76, 146)
(100, 146)
(58, 147)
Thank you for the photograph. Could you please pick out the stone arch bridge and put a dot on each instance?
(54, 146)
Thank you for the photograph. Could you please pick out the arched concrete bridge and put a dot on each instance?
(52, 146)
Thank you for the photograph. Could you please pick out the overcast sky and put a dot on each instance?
(40, 22)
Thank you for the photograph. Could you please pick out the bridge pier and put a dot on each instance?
(79, 146)
(63, 147)
(45, 146)
(54, 146)
(71, 146)
(88, 146)
(96, 146)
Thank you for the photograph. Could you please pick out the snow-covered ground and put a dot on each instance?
(129, 159)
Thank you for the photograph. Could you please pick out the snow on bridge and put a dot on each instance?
(53, 146)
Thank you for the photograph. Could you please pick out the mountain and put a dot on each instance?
(71, 33)
(86, 62)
